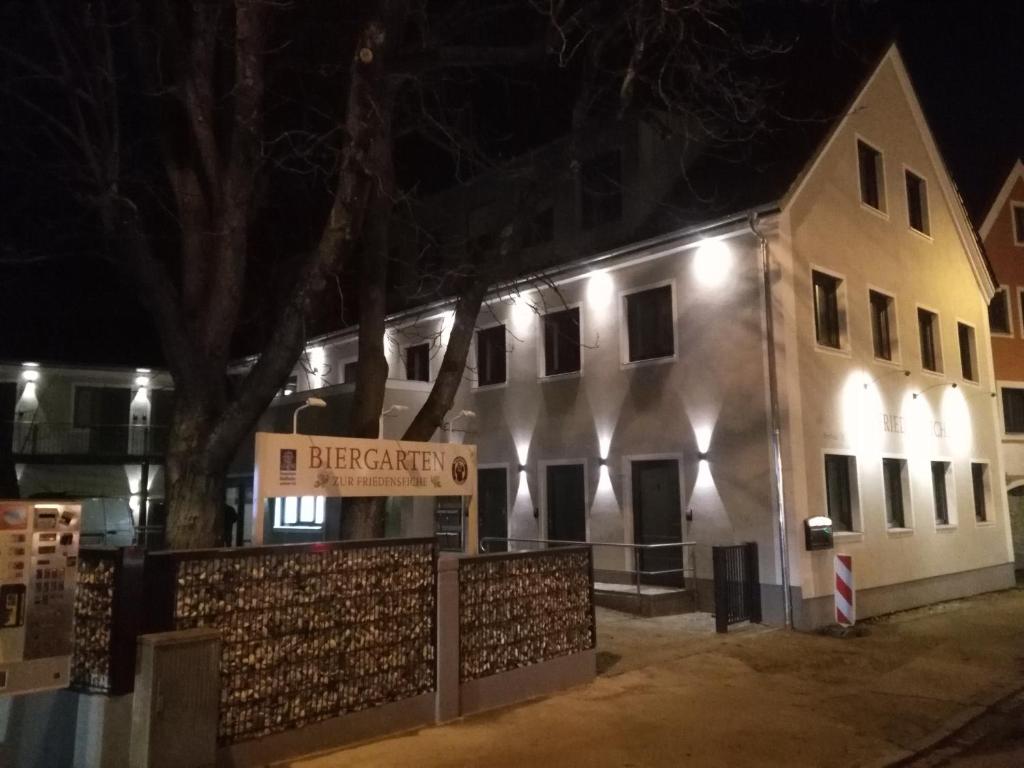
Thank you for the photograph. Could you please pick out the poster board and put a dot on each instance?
(323, 465)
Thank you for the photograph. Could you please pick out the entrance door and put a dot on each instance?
(492, 506)
(657, 519)
(567, 505)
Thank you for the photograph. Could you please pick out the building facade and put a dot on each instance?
(1003, 233)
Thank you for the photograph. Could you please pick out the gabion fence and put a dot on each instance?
(309, 632)
(106, 620)
(523, 608)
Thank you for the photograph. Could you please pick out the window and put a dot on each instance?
(101, 406)
(869, 161)
(562, 342)
(968, 353)
(928, 328)
(1013, 410)
(1018, 223)
(299, 511)
(999, 312)
(839, 491)
(601, 189)
(882, 321)
(1021, 297)
(417, 362)
(650, 324)
(826, 309)
(894, 478)
(917, 203)
(940, 491)
(979, 482)
(490, 356)
(350, 372)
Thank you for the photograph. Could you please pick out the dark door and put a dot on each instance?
(567, 506)
(657, 519)
(492, 505)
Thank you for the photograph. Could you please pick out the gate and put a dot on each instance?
(737, 588)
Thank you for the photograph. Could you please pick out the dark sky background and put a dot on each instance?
(965, 58)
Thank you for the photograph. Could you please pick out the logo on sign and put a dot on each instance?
(460, 470)
(288, 464)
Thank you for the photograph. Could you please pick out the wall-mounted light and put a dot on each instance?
(702, 455)
(933, 386)
(522, 468)
(712, 263)
(143, 370)
(142, 381)
(884, 375)
(602, 462)
(30, 375)
(30, 365)
(599, 289)
(311, 402)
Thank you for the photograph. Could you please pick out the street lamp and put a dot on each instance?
(388, 412)
(311, 402)
(460, 415)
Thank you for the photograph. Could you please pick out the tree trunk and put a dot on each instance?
(194, 487)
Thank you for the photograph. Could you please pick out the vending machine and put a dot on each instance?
(38, 563)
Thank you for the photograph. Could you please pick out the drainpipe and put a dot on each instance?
(775, 421)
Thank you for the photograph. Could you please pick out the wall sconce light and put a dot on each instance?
(522, 468)
(702, 455)
(602, 462)
(933, 386)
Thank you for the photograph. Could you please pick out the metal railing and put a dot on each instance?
(686, 573)
(30, 438)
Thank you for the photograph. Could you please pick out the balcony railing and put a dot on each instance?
(110, 440)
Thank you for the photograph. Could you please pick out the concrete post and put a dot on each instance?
(447, 705)
(177, 693)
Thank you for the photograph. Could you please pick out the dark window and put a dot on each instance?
(927, 323)
(562, 342)
(541, 229)
(839, 490)
(917, 202)
(101, 406)
(490, 355)
(601, 189)
(893, 471)
(1013, 410)
(417, 362)
(650, 324)
(978, 480)
(350, 372)
(869, 161)
(965, 337)
(881, 324)
(1018, 224)
(999, 312)
(826, 309)
(304, 511)
(939, 494)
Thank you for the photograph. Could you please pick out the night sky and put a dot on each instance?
(965, 59)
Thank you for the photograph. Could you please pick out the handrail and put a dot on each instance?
(638, 572)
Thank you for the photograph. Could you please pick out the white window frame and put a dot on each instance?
(990, 498)
(952, 510)
(542, 343)
(939, 351)
(927, 235)
(842, 297)
(1009, 313)
(624, 361)
(856, 504)
(909, 519)
(474, 373)
(883, 212)
(1014, 204)
(542, 483)
(975, 353)
(896, 340)
(280, 506)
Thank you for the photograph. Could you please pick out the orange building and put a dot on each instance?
(1003, 234)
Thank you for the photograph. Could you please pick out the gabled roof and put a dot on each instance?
(1016, 174)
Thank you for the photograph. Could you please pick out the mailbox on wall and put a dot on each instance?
(38, 564)
(818, 533)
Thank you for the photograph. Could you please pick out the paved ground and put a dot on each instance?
(672, 693)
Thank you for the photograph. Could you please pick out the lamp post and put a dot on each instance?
(388, 412)
(460, 415)
(311, 402)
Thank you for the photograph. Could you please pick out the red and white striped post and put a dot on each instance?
(845, 605)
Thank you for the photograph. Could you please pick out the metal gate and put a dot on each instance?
(737, 588)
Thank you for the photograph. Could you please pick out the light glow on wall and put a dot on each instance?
(318, 366)
(599, 290)
(31, 376)
(447, 324)
(521, 313)
(702, 435)
(712, 263)
(956, 418)
(142, 381)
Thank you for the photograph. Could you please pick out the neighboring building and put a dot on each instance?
(78, 432)
(1003, 234)
(624, 396)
